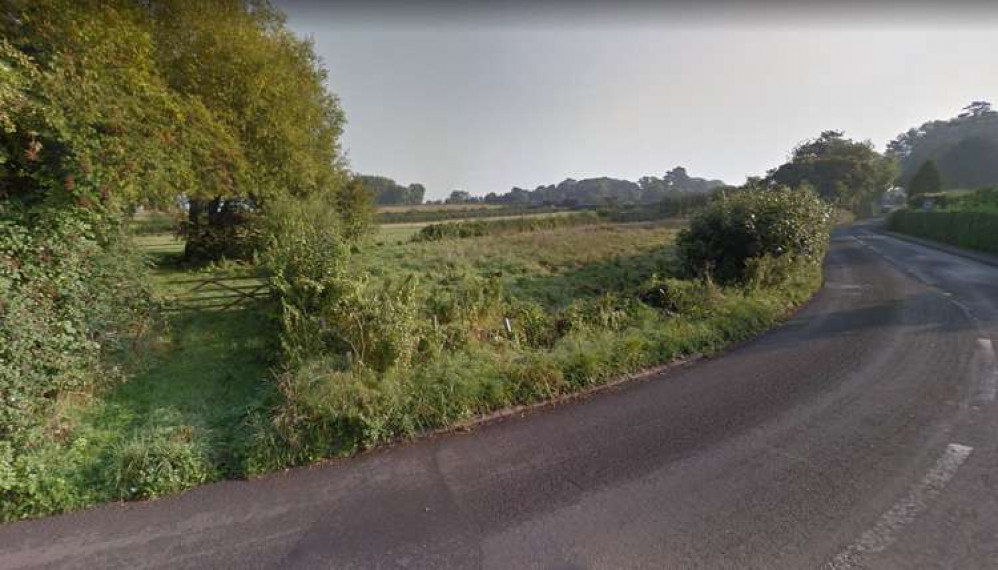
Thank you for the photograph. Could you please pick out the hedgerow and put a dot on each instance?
(970, 229)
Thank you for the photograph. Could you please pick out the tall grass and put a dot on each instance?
(451, 230)
(480, 334)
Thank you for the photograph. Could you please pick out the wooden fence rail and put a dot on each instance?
(218, 293)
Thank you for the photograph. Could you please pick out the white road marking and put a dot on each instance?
(989, 383)
(884, 533)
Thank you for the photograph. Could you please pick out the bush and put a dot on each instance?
(71, 292)
(723, 238)
(306, 256)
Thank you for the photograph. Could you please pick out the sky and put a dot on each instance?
(523, 94)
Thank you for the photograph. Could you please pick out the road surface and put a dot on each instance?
(860, 434)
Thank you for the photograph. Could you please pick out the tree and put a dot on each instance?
(387, 192)
(925, 181)
(459, 197)
(356, 209)
(965, 148)
(139, 103)
(416, 194)
(844, 172)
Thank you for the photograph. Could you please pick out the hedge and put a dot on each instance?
(970, 229)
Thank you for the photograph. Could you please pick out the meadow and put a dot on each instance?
(445, 331)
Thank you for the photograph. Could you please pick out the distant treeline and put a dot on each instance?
(428, 215)
(569, 193)
(671, 205)
(387, 192)
(601, 191)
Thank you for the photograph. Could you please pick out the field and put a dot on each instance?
(437, 207)
(393, 233)
(458, 328)
(552, 267)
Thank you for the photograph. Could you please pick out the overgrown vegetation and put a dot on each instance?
(106, 108)
(392, 355)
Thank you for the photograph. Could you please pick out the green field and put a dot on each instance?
(394, 233)
(553, 266)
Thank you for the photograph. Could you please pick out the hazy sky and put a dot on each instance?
(483, 100)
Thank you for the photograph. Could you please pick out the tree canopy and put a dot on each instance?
(965, 148)
(602, 191)
(845, 172)
(387, 192)
(128, 103)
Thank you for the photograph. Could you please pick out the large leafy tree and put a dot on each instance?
(848, 173)
(965, 148)
(96, 123)
(142, 103)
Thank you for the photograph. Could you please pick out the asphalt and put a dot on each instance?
(861, 434)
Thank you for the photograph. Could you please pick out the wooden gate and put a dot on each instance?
(218, 293)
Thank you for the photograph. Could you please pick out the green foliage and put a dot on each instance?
(72, 296)
(328, 409)
(723, 239)
(925, 181)
(451, 230)
(965, 148)
(972, 229)
(152, 465)
(68, 299)
(386, 191)
(306, 257)
(849, 174)
(234, 233)
(356, 211)
(127, 104)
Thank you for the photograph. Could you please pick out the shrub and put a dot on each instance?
(164, 462)
(727, 234)
(71, 292)
(306, 256)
